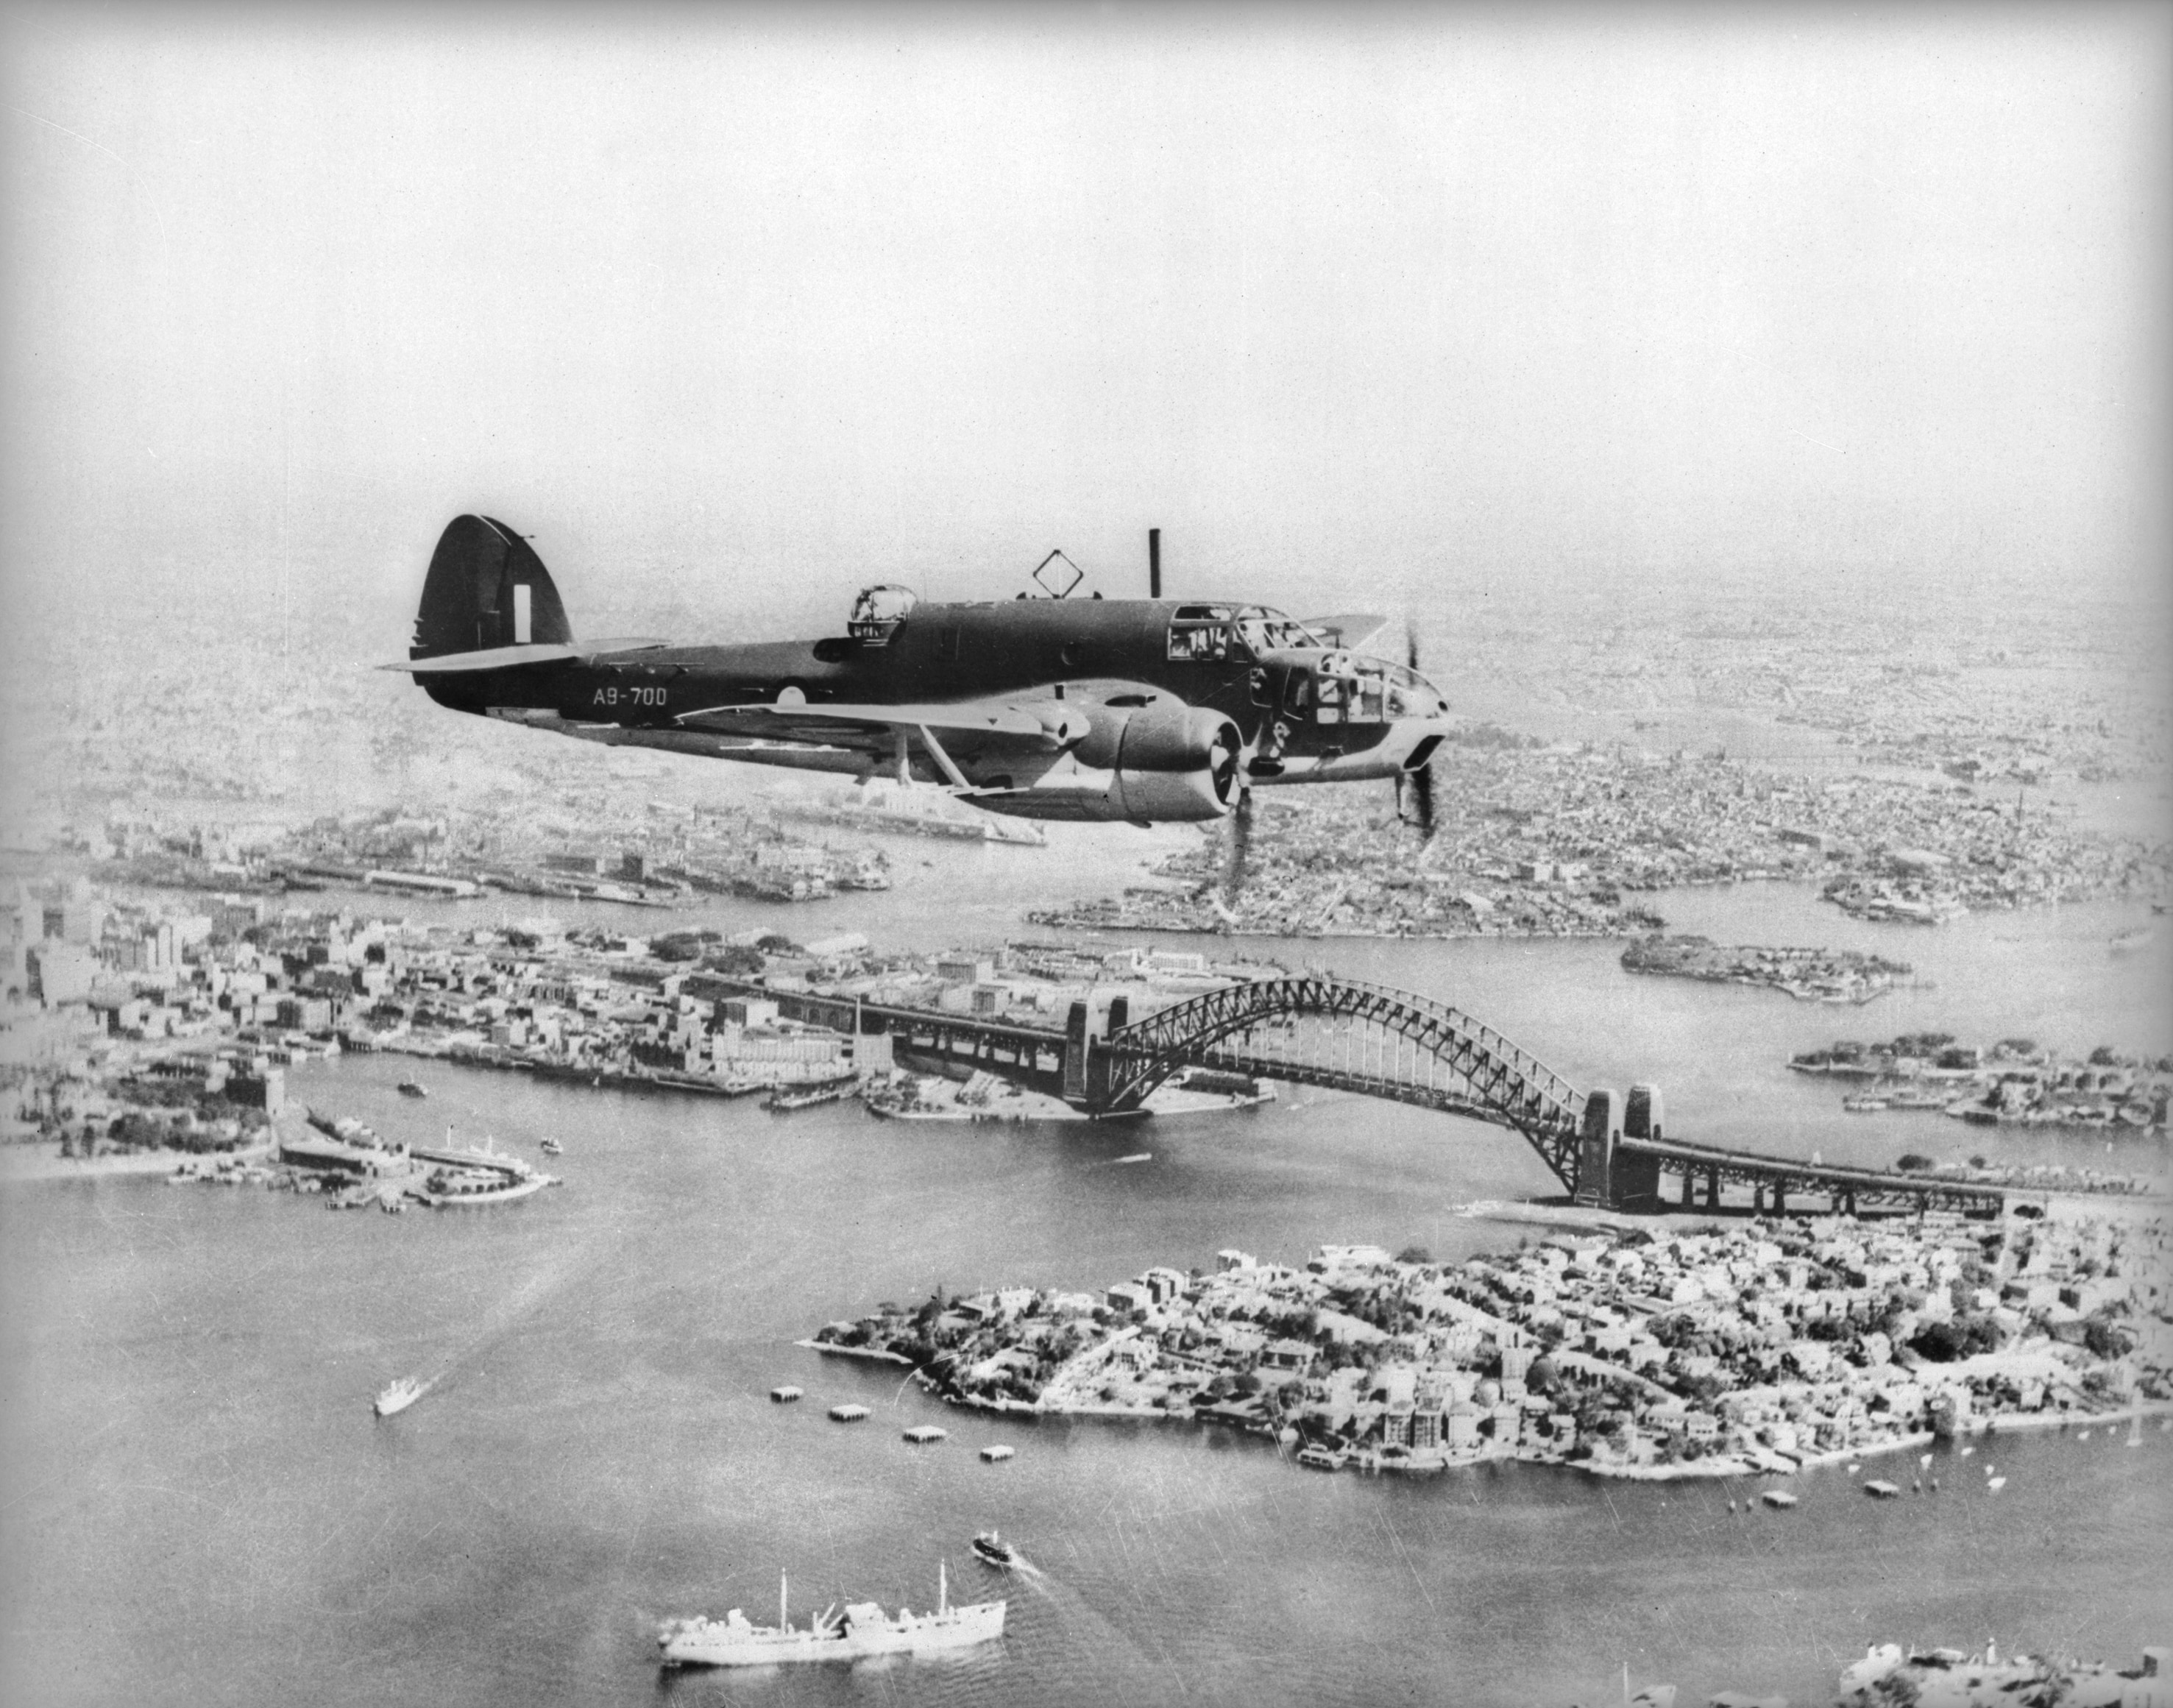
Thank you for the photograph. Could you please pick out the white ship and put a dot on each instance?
(398, 1396)
(861, 1629)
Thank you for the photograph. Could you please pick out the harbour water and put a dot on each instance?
(197, 1505)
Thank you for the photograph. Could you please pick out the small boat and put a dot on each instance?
(992, 1549)
(784, 1395)
(995, 1454)
(926, 1435)
(1879, 1489)
(398, 1396)
(1924, 1463)
(848, 1414)
(1853, 1469)
(1778, 1497)
(2082, 1435)
(551, 1147)
(413, 1088)
(1995, 1483)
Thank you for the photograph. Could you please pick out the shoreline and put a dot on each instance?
(18, 1170)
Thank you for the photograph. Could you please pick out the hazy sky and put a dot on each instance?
(1353, 305)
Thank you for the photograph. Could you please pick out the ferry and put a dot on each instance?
(413, 1088)
(398, 1396)
(861, 1629)
(994, 1550)
(785, 1098)
(1778, 1497)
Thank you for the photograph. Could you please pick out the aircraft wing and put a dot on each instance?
(1042, 726)
(1352, 629)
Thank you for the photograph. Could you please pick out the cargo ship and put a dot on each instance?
(861, 1629)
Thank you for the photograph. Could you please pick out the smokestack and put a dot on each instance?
(1154, 562)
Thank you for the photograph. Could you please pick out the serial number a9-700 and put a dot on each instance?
(634, 697)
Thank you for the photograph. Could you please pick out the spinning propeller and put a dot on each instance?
(1416, 786)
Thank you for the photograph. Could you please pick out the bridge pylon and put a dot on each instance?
(1608, 1175)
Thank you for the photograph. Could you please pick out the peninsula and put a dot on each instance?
(1808, 975)
(1723, 1352)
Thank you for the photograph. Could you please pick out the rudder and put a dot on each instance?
(486, 589)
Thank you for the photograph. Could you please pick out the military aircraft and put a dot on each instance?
(1049, 708)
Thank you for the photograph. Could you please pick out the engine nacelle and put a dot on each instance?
(1166, 762)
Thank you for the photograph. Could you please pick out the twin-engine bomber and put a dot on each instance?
(1052, 707)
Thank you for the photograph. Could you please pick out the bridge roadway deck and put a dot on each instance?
(1035, 1057)
(1844, 1186)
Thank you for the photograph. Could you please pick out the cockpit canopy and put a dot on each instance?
(878, 612)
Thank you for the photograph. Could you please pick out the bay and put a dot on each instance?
(197, 1505)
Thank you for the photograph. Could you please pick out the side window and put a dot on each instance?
(1203, 642)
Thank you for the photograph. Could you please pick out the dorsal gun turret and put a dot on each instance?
(878, 612)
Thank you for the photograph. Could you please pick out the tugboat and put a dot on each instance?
(861, 1629)
(413, 1088)
(398, 1396)
(994, 1550)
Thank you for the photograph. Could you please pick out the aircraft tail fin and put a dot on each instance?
(486, 589)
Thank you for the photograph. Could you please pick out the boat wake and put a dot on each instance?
(502, 1317)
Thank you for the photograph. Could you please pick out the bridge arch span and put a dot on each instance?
(1313, 1030)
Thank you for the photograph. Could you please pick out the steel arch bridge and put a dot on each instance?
(1338, 1032)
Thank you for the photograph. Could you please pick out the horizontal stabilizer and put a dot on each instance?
(502, 658)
